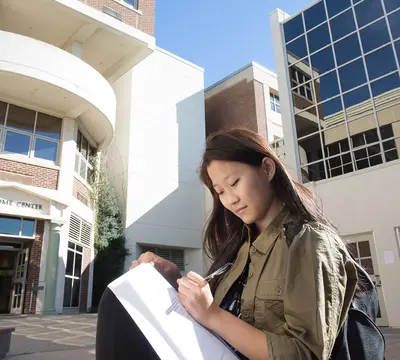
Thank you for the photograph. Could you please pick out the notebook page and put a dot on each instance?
(155, 307)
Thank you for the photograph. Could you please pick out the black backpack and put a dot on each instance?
(359, 338)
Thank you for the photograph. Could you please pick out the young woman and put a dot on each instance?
(292, 280)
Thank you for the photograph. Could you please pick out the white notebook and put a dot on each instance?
(155, 307)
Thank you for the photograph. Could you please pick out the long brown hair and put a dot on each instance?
(224, 232)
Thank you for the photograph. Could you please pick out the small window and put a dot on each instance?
(133, 3)
(84, 158)
(17, 226)
(275, 104)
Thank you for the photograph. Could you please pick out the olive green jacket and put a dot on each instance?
(298, 295)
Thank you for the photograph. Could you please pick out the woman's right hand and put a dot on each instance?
(166, 268)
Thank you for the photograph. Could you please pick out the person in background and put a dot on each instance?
(291, 279)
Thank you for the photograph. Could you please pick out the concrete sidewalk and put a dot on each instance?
(52, 337)
(70, 337)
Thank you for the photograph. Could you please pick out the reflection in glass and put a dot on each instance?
(397, 48)
(293, 28)
(391, 5)
(70, 263)
(383, 86)
(326, 86)
(315, 15)
(389, 122)
(394, 21)
(342, 25)
(322, 61)
(368, 157)
(75, 293)
(49, 126)
(331, 113)
(17, 143)
(20, 118)
(381, 62)
(364, 248)
(367, 265)
(356, 97)
(339, 165)
(297, 48)
(45, 149)
(347, 49)
(318, 38)
(374, 35)
(3, 109)
(78, 265)
(28, 227)
(299, 75)
(10, 225)
(363, 131)
(352, 75)
(368, 11)
(306, 122)
(336, 6)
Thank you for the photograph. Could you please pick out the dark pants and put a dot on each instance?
(118, 337)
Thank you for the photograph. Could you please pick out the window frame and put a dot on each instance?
(73, 277)
(275, 102)
(80, 158)
(296, 84)
(19, 236)
(4, 130)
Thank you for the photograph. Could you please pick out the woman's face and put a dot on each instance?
(243, 189)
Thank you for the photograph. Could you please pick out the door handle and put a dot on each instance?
(378, 281)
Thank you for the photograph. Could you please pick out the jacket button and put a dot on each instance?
(278, 291)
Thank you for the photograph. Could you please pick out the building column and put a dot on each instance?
(52, 268)
(292, 160)
(67, 158)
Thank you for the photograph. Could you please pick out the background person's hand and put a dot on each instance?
(195, 295)
(166, 268)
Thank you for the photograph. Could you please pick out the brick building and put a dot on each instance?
(66, 94)
(247, 98)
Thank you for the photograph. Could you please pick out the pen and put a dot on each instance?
(220, 271)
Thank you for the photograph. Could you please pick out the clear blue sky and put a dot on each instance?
(220, 35)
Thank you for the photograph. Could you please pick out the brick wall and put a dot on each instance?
(84, 280)
(143, 21)
(241, 105)
(32, 276)
(81, 192)
(41, 176)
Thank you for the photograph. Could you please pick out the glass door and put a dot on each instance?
(18, 288)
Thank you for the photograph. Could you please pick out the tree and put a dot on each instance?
(109, 239)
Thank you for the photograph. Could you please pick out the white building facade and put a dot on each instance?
(338, 72)
(77, 78)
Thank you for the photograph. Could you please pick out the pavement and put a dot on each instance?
(61, 337)
(66, 337)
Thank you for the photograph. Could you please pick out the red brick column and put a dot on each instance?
(84, 280)
(32, 276)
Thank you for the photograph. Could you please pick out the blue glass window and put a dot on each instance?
(380, 62)
(297, 48)
(347, 49)
(330, 107)
(367, 11)
(45, 149)
(293, 28)
(17, 143)
(315, 15)
(386, 84)
(318, 38)
(391, 5)
(49, 126)
(397, 48)
(342, 25)
(356, 96)
(352, 75)
(336, 6)
(374, 35)
(28, 227)
(327, 86)
(323, 61)
(394, 21)
(10, 225)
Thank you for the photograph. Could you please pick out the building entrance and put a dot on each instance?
(13, 269)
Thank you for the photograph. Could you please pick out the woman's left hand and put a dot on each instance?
(195, 295)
